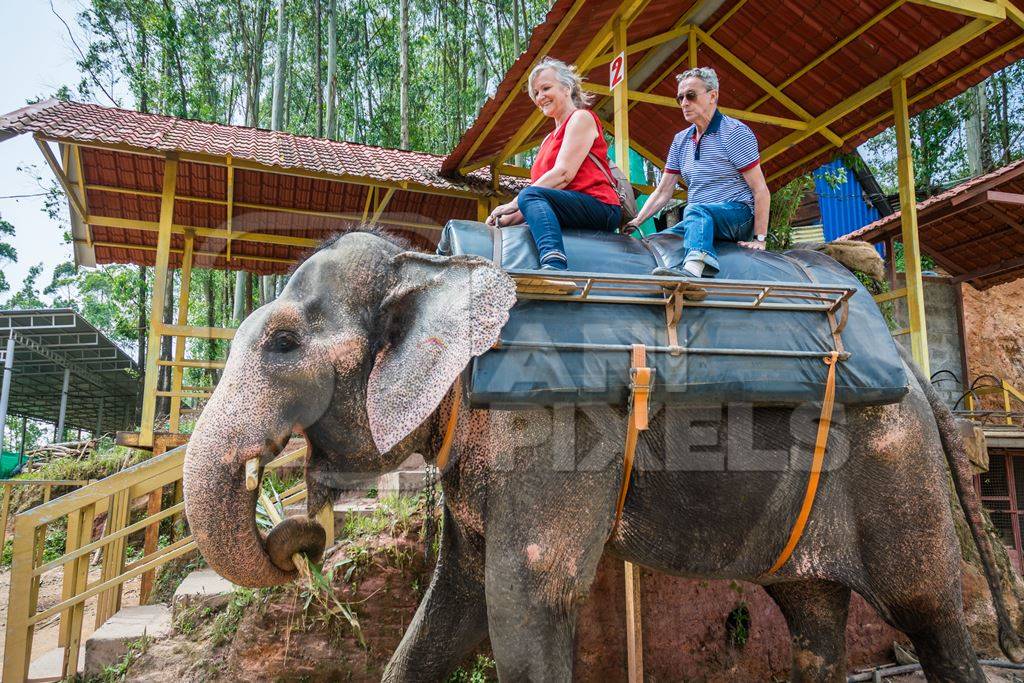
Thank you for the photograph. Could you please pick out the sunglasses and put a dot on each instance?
(690, 95)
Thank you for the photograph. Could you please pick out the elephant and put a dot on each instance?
(362, 354)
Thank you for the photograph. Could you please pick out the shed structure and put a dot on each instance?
(59, 368)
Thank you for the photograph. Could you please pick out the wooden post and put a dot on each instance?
(153, 506)
(80, 579)
(634, 628)
(4, 510)
(20, 606)
(911, 245)
(177, 371)
(109, 600)
(482, 210)
(156, 316)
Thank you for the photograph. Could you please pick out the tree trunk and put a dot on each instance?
(1004, 117)
(404, 70)
(332, 69)
(318, 65)
(481, 47)
(976, 106)
(211, 321)
(280, 64)
(238, 311)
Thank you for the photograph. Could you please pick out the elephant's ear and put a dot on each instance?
(444, 311)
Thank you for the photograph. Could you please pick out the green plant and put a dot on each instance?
(119, 671)
(483, 670)
(785, 202)
(737, 625)
(226, 622)
(319, 593)
(372, 492)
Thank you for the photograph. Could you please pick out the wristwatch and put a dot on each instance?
(761, 238)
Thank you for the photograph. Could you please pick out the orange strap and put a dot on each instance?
(449, 430)
(824, 423)
(639, 400)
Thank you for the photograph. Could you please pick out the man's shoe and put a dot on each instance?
(691, 291)
(669, 272)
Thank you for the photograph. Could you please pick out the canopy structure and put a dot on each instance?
(974, 230)
(61, 369)
(812, 79)
(255, 200)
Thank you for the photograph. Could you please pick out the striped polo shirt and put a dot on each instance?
(712, 167)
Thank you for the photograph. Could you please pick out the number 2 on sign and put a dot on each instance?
(616, 70)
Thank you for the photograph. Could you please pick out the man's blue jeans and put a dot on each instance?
(548, 212)
(702, 224)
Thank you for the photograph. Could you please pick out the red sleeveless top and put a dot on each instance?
(589, 179)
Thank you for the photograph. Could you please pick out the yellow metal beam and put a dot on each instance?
(940, 49)
(691, 48)
(765, 85)
(979, 9)
(206, 254)
(156, 317)
(620, 97)
(382, 204)
(832, 50)
(725, 17)
(663, 101)
(62, 178)
(641, 45)
(179, 344)
(371, 194)
(911, 244)
(1015, 14)
(503, 107)
(80, 172)
(230, 201)
(627, 11)
(515, 171)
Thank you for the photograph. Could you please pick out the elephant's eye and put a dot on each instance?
(283, 341)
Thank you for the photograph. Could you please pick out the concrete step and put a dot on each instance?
(109, 644)
(403, 482)
(202, 588)
(47, 666)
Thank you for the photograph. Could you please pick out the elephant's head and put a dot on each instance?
(357, 353)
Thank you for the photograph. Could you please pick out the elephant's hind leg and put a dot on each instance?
(451, 619)
(816, 613)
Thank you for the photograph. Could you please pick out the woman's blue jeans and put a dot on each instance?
(549, 211)
(702, 224)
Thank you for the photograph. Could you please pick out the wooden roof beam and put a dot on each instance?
(979, 9)
(989, 271)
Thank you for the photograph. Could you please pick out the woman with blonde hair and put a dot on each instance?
(571, 180)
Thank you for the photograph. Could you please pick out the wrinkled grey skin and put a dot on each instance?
(359, 352)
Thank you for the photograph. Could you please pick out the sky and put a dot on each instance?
(38, 58)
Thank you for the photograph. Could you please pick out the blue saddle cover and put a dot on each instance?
(504, 377)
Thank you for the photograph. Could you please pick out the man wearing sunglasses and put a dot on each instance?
(718, 160)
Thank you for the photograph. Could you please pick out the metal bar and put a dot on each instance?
(765, 85)
(894, 294)
(61, 177)
(80, 172)
(642, 45)
(695, 350)
(178, 373)
(880, 85)
(190, 363)
(382, 204)
(99, 419)
(195, 331)
(911, 243)
(620, 96)
(59, 434)
(163, 252)
(5, 389)
(980, 9)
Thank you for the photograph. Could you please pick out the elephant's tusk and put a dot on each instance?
(252, 474)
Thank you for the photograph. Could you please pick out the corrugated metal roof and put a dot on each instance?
(842, 204)
(776, 40)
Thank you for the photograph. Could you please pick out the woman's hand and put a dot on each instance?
(505, 214)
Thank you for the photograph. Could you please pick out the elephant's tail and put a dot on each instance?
(960, 468)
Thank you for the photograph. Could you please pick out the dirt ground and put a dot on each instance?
(45, 637)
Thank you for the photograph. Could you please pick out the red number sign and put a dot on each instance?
(616, 70)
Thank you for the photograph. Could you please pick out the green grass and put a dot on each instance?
(483, 670)
(393, 514)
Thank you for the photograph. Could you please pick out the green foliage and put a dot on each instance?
(483, 670)
(737, 625)
(8, 254)
(785, 202)
(226, 622)
(393, 514)
(119, 672)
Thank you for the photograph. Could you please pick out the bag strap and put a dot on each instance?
(449, 429)
(607, 176)
(641, 379)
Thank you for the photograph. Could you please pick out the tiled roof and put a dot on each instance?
(973, 230)
(777, 40)
(91, 123)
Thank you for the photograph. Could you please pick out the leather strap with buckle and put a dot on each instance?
(641, 380)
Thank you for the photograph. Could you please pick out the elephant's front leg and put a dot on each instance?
(541, 559)
(452, 618)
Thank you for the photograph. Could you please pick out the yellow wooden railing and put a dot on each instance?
(10, 484)
(114, 497)
(999, 387)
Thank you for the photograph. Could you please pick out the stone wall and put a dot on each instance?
(944, 343)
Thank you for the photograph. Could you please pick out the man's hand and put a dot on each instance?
(759, 246)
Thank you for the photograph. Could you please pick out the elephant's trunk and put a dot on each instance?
(221, 515)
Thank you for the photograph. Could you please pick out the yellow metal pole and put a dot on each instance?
(691, 45)
(620, 97)
(156, 316)
(908, 209)
(178, 372)
(1006, 401)
(482, 210)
